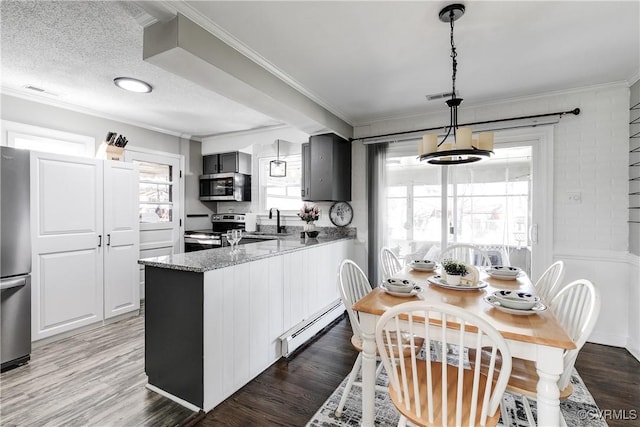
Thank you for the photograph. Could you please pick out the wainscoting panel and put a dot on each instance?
(610, 273)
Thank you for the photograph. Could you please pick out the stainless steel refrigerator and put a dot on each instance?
(15, 256)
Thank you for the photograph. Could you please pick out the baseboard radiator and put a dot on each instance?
(295, 337)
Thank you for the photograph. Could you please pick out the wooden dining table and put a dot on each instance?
(537, 337)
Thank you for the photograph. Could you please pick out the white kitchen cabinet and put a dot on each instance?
(122, 234)
(84, 246)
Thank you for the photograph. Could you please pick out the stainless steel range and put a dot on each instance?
(198, 240)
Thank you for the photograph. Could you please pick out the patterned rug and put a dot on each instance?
(578, 410)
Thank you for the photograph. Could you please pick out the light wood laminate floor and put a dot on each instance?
(95, 378)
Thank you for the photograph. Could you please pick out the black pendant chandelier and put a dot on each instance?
(461, 148)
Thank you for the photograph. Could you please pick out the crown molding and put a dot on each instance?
(194, 15)
(247, 132)
(67, 106)
(493, 103)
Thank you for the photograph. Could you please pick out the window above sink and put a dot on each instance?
(284, 192)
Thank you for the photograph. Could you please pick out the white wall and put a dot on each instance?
(193, 206)
(47, 116)
(590, 157)
(244, 141)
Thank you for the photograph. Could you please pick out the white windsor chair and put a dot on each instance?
(576, 306)
(548, 284)
(470, 254)
(353, 286)
(430, 392)
(389, 262)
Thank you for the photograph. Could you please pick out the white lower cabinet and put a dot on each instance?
(248, 306)
(84, 221)
(311, 280)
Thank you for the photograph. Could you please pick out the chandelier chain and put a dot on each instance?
(454, 55)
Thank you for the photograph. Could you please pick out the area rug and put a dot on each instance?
(579, 410)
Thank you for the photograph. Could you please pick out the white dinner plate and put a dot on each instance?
(422, 267)
(439, 281)
(538, 308)
(502, 276)
(415, 291)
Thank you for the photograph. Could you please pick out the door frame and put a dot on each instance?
(542, 184)
(146, 154)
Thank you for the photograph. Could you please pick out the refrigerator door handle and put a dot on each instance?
(99, 240)
(108, 239)
(13, 283)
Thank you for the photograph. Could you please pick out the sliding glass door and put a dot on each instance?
(489, 205)
(499, 204)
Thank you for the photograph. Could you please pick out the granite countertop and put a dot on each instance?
(212, 259)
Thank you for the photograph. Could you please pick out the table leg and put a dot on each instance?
(368, 327)
(549, 367)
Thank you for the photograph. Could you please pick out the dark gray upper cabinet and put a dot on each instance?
(227, 162)
(326, 169)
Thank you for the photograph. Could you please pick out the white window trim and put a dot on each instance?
(158, 156)
(12, 129)
(264, 210)
(542, 195)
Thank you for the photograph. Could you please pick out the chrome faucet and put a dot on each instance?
(278, 228)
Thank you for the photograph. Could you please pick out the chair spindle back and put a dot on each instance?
(432, 391)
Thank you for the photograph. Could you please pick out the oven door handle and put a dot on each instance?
(202, 241)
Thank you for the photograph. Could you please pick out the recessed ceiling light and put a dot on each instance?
(132, 85)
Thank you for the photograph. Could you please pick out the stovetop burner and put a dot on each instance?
(220, 223)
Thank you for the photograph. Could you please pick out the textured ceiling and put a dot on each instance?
(361, 60)
(74, 50)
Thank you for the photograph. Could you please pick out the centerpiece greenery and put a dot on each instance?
(454, 267)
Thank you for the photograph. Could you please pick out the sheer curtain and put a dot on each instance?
(377, 202)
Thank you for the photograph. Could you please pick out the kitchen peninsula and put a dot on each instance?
(214, 319)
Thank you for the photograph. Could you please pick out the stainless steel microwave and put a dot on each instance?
(225, 187)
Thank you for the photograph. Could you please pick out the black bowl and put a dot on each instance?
(313, 234)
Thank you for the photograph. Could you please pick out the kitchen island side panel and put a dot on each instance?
(173, 332)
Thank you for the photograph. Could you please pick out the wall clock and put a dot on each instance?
(341, 214)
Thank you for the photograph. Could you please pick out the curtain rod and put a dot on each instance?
(575, 112)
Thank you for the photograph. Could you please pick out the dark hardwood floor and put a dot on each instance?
(289, 392)
(612, 375)
(97, 379)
